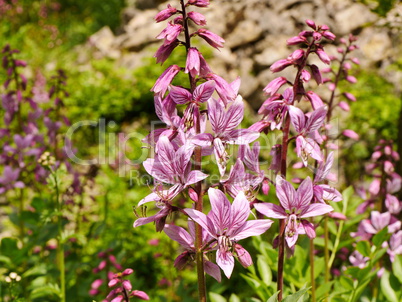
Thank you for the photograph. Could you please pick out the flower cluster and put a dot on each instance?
(123, 290)
(380, 199)
(180, 146)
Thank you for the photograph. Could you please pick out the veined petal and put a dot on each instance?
(179, 235)
(252, 228)
(308, 228)
(323, 169)
(304, 193)
(151, 197)
(180, 95)
(286, 193)
(225, 260)
(271, 210)
(202, 220)
(242, 136)
(216, 114)
(316, 119)
(145, 220)
(156, 170)
(297, 118)
(203, 139)
(195, 176)
(213, 270)
(220, 209)
(204, 91)
(316, 209)
(166, 153)
(239, 212)
(235, 114)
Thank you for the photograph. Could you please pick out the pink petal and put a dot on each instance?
(252, 228)
(194, 177)
(297, 118)
(179, 235)
(309, 228)
(285, 192)
(220, 208)
(315, 209)
(213, 270)
(180, 95)
(271, 210)
(204, 91)
(226, 262)
(304, 193)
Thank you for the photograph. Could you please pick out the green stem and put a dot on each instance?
(312, 277)
(60, 245)
(326, 250)
(202, 287)
(21, 209)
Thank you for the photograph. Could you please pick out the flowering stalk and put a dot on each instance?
(202, 288)
(279, 112)
(341, 74)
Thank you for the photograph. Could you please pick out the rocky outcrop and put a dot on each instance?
(255, 32)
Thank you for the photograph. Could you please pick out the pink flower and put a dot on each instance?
(358, 259)
(323, 55)
(164, 51)
(314, 99)
(170, 33)
(351, 134)
(199, 3)
(186, 240)
(280, 65)
(294, 207)
(395, 245)
(166, 13)
(223, 124)
(197, 18)
(139, 294)
(227, 223)
(163, 82)
(212, 39)
(274, 85)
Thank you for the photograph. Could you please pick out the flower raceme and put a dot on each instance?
(294, 206)
(227, 223)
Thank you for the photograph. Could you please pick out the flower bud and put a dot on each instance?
(243, 256)
(344, 106)
(311, 24)
(127, 271)
(197, 18)
(350, 96)
(316, 74)
(329, 35)
(296, 40)
(351, 134)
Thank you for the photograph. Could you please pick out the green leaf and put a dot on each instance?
(387, 289)
(216, 298)
(353, 271)
(363, 247)
(4, 259)
(36, 270)
(323, 289)
(274, 298)
(264, 270)
(234, 298)
(50, 290)
(296, 296)
(380, 237)
(346, 282)
(397, 267)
